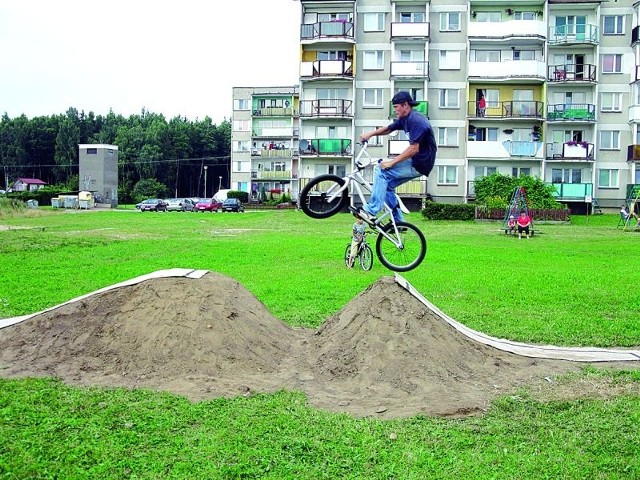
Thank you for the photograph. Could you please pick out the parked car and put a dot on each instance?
(152, 205)
(180, 205)
(207, 205)
(232, 205)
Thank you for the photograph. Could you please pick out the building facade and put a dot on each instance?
(545, 88)
(98, 171)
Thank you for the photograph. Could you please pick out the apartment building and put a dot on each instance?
(543, 88)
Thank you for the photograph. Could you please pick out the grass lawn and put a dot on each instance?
(574, 284)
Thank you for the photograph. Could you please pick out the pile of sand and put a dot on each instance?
(383, 354)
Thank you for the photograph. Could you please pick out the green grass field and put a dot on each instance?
(574, 284)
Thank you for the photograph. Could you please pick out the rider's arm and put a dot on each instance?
(378, 131)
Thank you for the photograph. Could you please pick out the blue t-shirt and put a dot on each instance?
(419, 130)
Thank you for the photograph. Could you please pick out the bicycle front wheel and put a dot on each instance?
(366, 257)
(410, 253)
(347, 254)
(316, 196)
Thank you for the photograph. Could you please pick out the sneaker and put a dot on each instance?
(360, 213)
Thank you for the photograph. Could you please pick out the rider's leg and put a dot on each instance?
(385, 183)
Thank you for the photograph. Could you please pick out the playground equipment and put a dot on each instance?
(633, 194)
(518, 204)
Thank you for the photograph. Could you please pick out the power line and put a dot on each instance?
(121, 163)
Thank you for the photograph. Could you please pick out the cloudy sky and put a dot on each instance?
(174, 58)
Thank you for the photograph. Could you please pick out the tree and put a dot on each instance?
(496, 191)
(149, 188)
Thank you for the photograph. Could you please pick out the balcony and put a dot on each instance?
(326, 68)
(410, 70)
(326, 146)
(274, 112)
(633, 153)
(510, 109)
(422, 107)
(326, 108)
(571, 112)
(570, 151)
(635, 35)
(572, 191)
(565, 35)
(572, 72)
(504, 150)
(274, 132)
(327, 30)
(517, 70)
(532, 29)
(272, 152)
(271, 175)
(409, 31)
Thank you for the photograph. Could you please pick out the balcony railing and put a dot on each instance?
(422, 107)
(535, 70)
(326, 108)
(326, 146)
(522, 148)
(507, 29)
(274, 112)
(572, 72)
(326, 68)
(570, 151)
(272, 152)
(510, 109)
(410, 69)
(271, 175)
(400, 30)
(572, 191)
(580, 112)
(337, 29)
(573, 34)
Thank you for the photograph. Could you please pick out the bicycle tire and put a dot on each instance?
(411, 254)
(347, 252)
(366, 257)
(313, 197)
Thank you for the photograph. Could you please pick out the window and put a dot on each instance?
(485, 56)
(447, 175)
(449, 98)
(241, 125)
(241, 104)
(486, 134)
(488, 17)
(373, 60)
(449, 60)
(520, 171)
(612, 63)
(450, 22)
(611, 102)
(241, 146)
(412, 17)
(447, 136)
(613, 25)
(607, 178)
(92, 151)
(484, 171)
(412, 55)
(373, 141)
(332, 55)
(524, 54)
(372, 97)
(331, 93)
(566, 175)
(609, 140)
(339, 170)
(373, 22)
(524, 16)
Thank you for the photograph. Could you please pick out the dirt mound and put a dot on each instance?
(383, 354)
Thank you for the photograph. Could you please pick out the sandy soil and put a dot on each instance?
(384, 354)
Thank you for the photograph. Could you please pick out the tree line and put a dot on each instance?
(173, 152)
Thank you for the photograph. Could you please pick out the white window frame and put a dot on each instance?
(449, 60)
(241, 145)
(613, 177)
(446, 98)
(242, 104)
(447, 175)
(609, 140)
(372, 97)
(375, 141)
(611, 102)
(241, 125)
(618, 25)
(448, 22)
(372, 60)
(615, 59)
(448, 137)
(373, 22)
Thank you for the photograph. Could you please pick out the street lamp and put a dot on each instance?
(219, 182)
(205, 181)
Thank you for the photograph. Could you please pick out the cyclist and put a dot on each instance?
(417, 159)
(357, 235)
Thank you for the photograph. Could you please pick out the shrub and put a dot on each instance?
(243, 196)
(445, 211)
(149, 188)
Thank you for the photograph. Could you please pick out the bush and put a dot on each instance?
(496, 191)
(243, 196)
(149, 188)
(445, 211)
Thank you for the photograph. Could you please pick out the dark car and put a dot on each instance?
(152, 205)
(207, 205)
(232, 205)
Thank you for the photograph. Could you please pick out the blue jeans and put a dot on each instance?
(384, 187)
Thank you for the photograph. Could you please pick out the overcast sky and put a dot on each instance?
(174, 58)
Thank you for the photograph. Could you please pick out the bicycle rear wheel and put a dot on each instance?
(347, 253)
(366, 257)
(314, 197)
(409, 255)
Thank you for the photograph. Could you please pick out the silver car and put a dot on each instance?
(180, 205)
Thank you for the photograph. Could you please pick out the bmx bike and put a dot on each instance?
(400, 246)
(364, 254)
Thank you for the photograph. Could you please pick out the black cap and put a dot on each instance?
(402, 97)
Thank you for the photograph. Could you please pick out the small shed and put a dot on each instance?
(27, 184)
